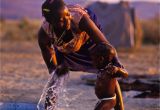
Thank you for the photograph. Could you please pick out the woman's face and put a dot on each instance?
(61, 19)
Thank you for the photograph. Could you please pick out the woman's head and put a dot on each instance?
(56, 13)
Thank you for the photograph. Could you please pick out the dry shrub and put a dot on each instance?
(151, 30)
(24, 29)
(138, 33)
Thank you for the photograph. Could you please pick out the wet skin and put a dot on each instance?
(105, 84)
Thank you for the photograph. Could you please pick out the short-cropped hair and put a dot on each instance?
(103, 49)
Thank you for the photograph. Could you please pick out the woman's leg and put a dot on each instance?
(119, 102)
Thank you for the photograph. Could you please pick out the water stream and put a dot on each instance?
(55, 95)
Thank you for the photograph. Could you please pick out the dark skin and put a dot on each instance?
(87, 25)
(60, 24)
(45, 41)
(105, 88)
(106, 83)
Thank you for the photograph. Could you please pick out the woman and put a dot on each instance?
(66, 38)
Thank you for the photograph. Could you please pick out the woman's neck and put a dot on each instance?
(58, 31)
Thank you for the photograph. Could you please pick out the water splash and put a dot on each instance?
(68, 98)
(51, 92)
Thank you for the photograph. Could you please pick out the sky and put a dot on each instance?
(113, 1)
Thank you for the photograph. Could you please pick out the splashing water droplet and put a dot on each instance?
(56, 96)
(51, 92)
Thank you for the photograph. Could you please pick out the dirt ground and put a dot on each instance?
(23, 75)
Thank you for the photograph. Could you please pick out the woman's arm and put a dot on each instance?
(87, 25)
(45, 44)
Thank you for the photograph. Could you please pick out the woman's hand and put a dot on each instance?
(61, 70)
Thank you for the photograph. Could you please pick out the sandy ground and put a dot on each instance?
(23, 75)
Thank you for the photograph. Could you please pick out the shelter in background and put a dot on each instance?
(118, 23)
